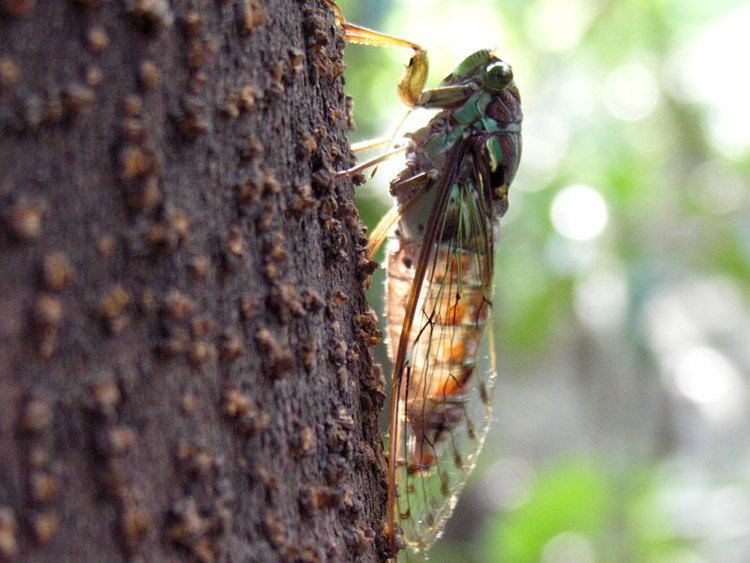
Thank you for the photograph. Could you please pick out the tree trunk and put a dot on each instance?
(184, 339)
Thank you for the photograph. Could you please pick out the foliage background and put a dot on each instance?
(622, 419)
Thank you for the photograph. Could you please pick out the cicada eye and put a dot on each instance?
(499, 75)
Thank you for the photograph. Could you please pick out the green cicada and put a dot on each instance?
(442, 231)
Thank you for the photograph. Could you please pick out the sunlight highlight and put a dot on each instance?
(546, 140)
(449, 32)
(579, 213)
(569, 547)
(631, 92)
(710, 69)
(559, 25)
(601, 300)
(703, 375)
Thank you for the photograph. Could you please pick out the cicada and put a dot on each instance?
(443, 231)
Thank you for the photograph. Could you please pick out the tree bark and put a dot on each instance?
(185, 369)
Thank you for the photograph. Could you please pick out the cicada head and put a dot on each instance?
(481, 86)
(482, 69)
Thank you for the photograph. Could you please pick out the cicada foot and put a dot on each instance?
(394, 542)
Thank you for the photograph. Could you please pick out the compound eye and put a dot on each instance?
(499, 75)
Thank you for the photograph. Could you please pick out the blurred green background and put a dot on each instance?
(622, 427)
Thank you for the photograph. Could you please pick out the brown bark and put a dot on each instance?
(184, 340)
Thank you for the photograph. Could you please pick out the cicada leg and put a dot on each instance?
(372, 162)
(414, 78)
(371, 144)
(409, 88)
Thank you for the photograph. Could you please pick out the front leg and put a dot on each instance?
(415, 75)
(446, 96)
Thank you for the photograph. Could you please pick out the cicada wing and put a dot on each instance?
(389, 221)
(441, 407)
(427, 495)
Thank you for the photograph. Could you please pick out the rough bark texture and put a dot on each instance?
(184, 340)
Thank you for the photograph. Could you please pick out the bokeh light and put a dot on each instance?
(703, 375)
(579, 213)
(569, 547)
(631, 91)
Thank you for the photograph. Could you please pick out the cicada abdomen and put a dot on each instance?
(452, 314)
(439, 290)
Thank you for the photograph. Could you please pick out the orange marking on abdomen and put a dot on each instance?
(445, 336)
(451, 386)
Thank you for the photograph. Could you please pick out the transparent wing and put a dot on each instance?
(387, 223)
(441, 407)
